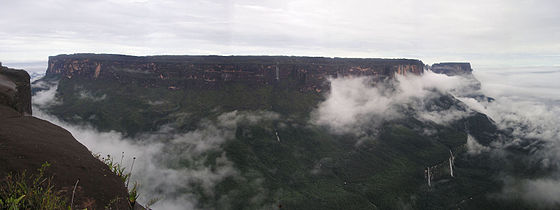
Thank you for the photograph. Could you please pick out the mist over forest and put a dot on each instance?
(354, 106)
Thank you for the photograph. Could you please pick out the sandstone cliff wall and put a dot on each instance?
(178, 72)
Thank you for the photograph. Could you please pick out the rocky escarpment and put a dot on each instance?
(451, 69)
(27, 142)
(177, 72)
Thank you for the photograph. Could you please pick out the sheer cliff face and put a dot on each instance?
(178, 72)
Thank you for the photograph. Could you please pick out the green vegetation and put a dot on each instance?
(133, 194)
(30, 191)
(115, 167)
(131, 109)
(119, 170)
(310, 168)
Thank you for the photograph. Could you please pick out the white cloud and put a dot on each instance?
(541, 191)
(527, 106)
(474, 148)
(357, 101)
(353, 101)
(45, 97)
(89, 96)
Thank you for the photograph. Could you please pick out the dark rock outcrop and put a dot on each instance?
(451, 69)
(27, 142)
(176, 72)
(15, 90)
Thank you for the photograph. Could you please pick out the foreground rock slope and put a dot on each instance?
(27, 142)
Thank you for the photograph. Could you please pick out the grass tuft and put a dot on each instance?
(30, 191)
(119, 170)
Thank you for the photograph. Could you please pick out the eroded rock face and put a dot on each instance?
(451, 69)
(177, 72)
(15, 90)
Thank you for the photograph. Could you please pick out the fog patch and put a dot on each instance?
(475, 148)
(352, 101)
(524, 119)
(531, 113)
(356, 101)
(444, 117)
(527, 106)
(86, 95)
(528, 119)
(543, 192)
(34, 76)
(46, 96)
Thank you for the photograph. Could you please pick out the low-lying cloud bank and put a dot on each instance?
(527, 105)
(357, 101)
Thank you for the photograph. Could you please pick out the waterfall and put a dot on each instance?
(277, 72)
(277, 137)
(451, 163)
(429, 176)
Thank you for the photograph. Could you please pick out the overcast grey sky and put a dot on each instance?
(485, 32)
